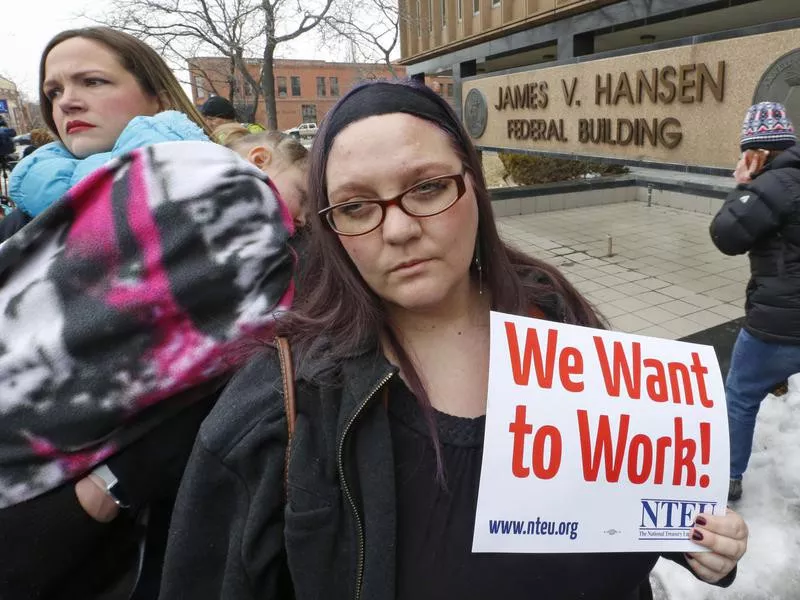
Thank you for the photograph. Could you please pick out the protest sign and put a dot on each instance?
(598, 441)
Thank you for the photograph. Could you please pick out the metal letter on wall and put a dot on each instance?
(476, 113)
(781, 83)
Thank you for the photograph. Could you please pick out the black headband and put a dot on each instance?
(384, 98)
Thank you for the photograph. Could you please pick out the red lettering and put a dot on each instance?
(657, 382)
(676, 370)
(636, 475)
(521, 366)
(621, 370)
(699, 371)
(685, 449)
(604, 449)
(541, 470)
(519, 428)
(609, 454)
(567, 368)
(662, 444)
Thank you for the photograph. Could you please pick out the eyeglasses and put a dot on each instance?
(426, 199)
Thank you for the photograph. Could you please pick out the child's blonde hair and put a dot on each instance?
(40, 137)
(284, 145)
(228, 133)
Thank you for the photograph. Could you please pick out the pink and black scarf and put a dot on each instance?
(139, 285)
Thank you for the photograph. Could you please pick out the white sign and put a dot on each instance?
(598, 441)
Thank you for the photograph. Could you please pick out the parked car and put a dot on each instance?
(20, 143)
(304, 130)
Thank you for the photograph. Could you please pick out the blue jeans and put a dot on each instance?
(757, 367)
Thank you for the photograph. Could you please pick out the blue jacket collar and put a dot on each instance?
(46, 175)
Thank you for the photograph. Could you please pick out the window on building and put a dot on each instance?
(281, 87)
(430, 15)
(449, 90)
(419, 19)
(309, 113)
(320, 86)
(334, 86)
(495, 2)
(295, 85)
(476, 6)
(459, 9)
(198, 84)
(444, 13)
(248, 89)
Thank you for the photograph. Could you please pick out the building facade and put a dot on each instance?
(305, 90)
(658, 82)
(16, 115)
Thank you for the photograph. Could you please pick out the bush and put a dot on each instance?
(527, 169)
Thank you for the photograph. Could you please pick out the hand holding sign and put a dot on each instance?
(636, 424)
(726, 537)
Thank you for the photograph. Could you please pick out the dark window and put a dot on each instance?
(309, 113)
(449, 90)
(281, 87)
(320, 86)
(334, 86)
(476, 6)
(444, 13)
(295, 86)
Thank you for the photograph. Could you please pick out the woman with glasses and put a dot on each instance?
(375, 497)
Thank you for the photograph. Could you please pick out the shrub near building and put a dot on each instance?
(526, 169)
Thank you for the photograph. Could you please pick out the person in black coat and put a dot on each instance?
(762, 217)
(374, 495)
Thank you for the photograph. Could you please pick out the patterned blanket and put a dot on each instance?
(141, 284)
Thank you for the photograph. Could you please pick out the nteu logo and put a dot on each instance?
(672, 514)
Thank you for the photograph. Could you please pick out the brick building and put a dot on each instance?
(305, 90)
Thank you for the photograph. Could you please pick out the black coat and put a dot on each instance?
(763, 219)
(234, 537)
(12, 223)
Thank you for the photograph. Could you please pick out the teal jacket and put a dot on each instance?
(45, 175)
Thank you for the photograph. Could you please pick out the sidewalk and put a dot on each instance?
(664, 278)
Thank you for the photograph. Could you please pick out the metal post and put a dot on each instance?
(610, 245)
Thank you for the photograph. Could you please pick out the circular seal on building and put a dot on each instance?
(781, 83)
(476, 113)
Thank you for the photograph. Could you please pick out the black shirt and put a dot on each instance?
(435, 525)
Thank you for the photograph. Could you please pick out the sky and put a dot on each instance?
(27, 25)
(25, 28)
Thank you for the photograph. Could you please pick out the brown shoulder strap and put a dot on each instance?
(287, 373)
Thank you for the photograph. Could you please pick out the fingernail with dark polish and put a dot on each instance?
(700, 521)
(697, 536)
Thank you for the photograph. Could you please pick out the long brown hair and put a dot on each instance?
(136, 57)
(336, 303)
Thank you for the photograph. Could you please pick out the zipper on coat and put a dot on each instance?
(346, 487)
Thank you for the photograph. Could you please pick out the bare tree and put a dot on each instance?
(369, 28)
(35, 115)
(232, 29)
